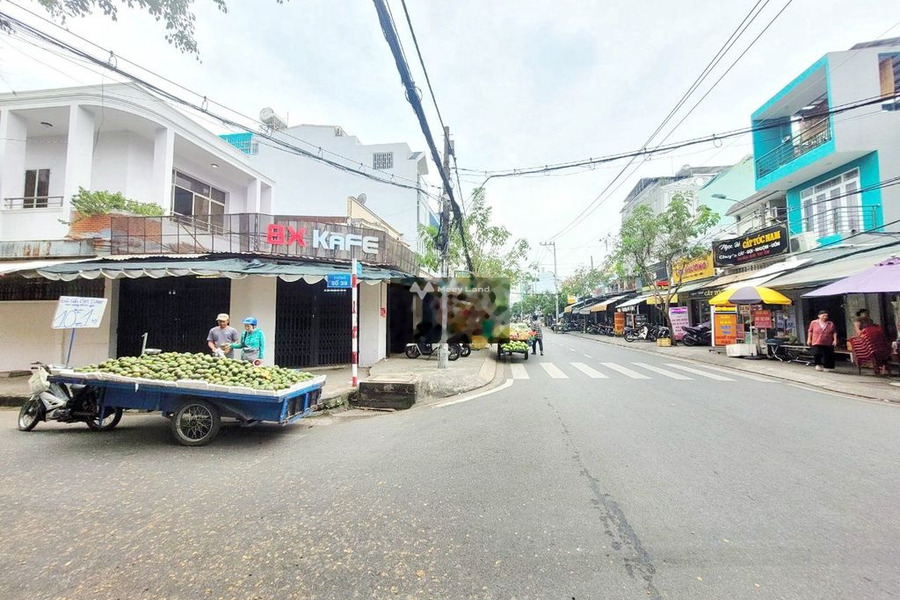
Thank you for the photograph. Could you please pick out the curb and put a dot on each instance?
(740, 367)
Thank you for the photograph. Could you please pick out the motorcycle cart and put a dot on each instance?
(196, 407)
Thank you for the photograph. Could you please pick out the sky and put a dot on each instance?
(520, 83)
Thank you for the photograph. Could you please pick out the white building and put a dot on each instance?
(657, 192)
(219, 247)
(310, 187)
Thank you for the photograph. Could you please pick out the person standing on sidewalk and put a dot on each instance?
(822, 336)
(538, 337)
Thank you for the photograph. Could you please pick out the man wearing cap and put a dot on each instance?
(222, 336)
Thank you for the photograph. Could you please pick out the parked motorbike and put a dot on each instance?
(465, 348)
(644, 332)
(700, 335)
(417, 349)
(64, 403)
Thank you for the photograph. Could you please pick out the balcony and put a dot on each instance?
(30, 202)
(794, 146)
(842, 220)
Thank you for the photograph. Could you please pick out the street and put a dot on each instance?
(596, 472)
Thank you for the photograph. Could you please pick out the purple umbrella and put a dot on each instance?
(883, 278)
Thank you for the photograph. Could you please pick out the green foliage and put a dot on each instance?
(103, 202)
(649, 241)
(543, 303)
(492, 248)
(177, 15)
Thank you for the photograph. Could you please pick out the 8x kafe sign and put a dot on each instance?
(761, 243)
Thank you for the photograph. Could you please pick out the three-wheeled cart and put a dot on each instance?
(502, 353)
(196, 407)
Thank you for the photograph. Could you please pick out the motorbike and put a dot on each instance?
(417, 349)
(64, 403)
(465, 348)
(644, 332)
(700, 335)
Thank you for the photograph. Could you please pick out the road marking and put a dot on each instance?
(589, 371)
(712, 376)
(518, 371)
(572, 349)
(669, 374)
(500, 387)
(553, 371)
(588, 356)
(624, 370)
(742, 374)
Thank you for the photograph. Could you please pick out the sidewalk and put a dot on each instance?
(463, 375)
(844, 379)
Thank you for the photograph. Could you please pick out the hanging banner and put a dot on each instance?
(757, 244)
(680, 318)
(725, 328)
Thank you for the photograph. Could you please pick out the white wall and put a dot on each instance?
(26, 336)
(372, 326)
(254, 296)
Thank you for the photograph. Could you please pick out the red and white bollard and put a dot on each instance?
(354, 348)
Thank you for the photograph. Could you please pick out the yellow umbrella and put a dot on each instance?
(749, 294)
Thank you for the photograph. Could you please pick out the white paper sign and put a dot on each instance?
(74, 312)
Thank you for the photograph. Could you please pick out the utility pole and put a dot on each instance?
(555, 279)
(443, 351)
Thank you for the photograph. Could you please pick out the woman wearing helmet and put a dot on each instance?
(252, 343)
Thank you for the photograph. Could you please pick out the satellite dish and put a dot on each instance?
(361, 198)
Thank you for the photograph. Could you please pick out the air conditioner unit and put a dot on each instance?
(804, 241)
(777, 214)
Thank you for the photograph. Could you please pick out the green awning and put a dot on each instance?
(232, 268)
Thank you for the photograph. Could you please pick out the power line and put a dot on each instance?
(422, 62)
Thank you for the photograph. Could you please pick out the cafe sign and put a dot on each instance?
(758, 244)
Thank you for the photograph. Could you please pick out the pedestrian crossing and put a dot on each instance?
(633, 370)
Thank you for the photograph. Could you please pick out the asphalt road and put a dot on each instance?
(606, 474)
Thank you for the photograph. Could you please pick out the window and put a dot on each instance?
(889, 77)
(37, 188)
(193, 198)
(833, 206)
(383, 160)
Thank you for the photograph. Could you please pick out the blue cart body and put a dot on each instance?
(285, 408)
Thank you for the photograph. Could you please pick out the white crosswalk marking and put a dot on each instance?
(588, 356)
(554, 371)
(624, 370)
(518, 371)
(712, 376)
(669, 374)
(740, 374)
(592, 373)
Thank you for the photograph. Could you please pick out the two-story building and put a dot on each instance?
(219, 246)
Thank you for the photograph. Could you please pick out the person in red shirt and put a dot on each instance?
(822, 337)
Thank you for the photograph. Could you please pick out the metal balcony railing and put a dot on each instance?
(246, 233)
(844, 219)
(794, 147)
(32, 202)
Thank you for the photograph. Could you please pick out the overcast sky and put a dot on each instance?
(520, 83)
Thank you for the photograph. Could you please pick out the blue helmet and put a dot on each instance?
(250, 321)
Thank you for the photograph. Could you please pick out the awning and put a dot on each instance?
(231, 268)
(15, 266)
(883, 278)
(757, 277)
(606, 303)
(827, 272)
(633, 302)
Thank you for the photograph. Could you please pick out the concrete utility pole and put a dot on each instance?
(443, 351)
(555, 279)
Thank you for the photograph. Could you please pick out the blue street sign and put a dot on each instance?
(338, 281)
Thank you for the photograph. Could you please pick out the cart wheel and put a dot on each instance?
(110, 419)
(412, 352)
(30, 414)
(526, 355)
(196, 423)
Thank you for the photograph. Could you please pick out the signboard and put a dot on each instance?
(725, 327)
(461, 274)
(762, 319)
(338, 281)
(619, 323)
(699, 268)
(571, 300)
(74, 312)
(679, 317)
(758, 244)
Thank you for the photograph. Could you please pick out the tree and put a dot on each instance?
(583, 281)
(492, 248)
(648, 242)
(177, 15)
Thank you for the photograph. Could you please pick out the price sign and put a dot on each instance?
(74, 312)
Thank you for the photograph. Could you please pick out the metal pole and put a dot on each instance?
(444, 351)
(71, 343)
(354, 347)
(555, 280)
